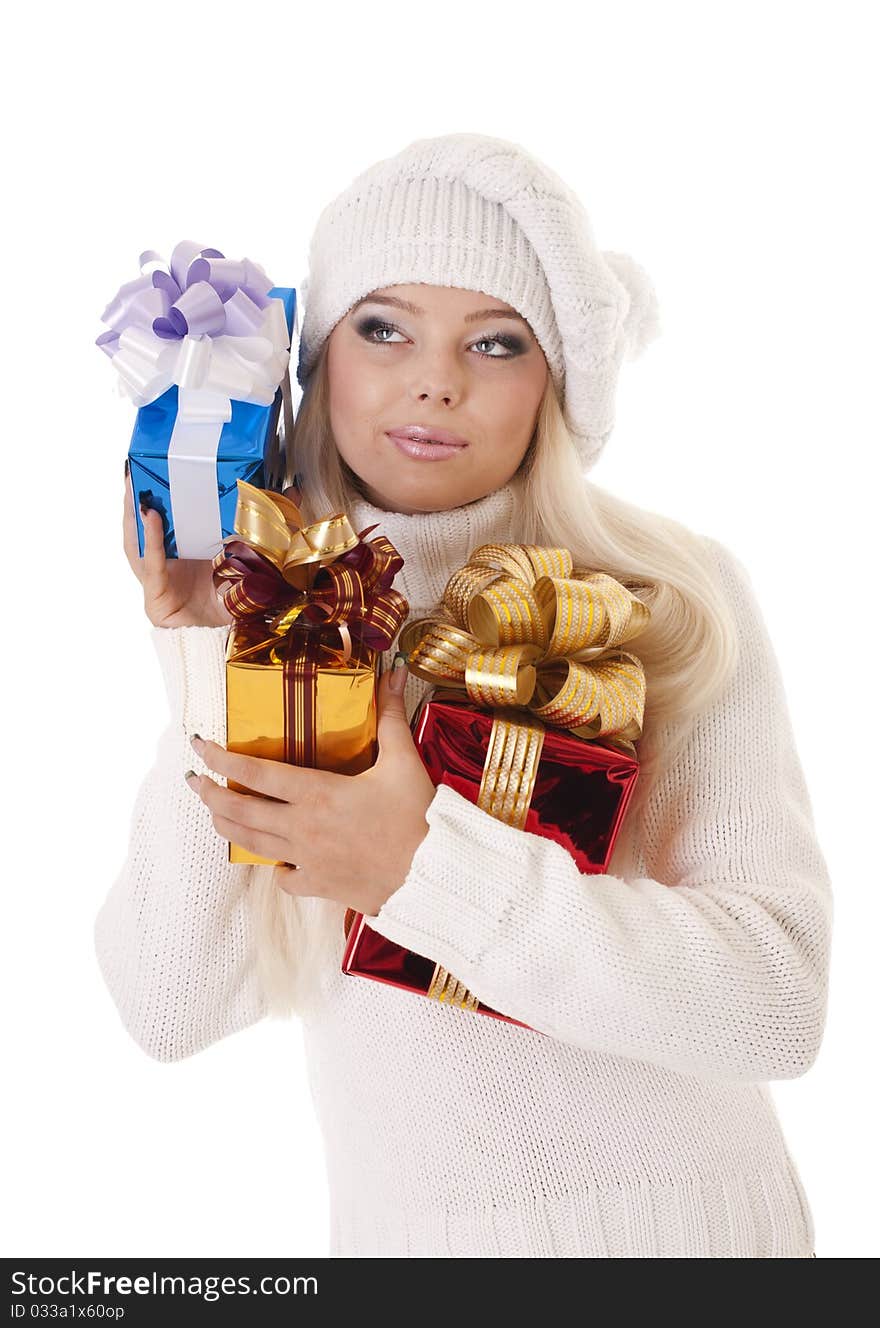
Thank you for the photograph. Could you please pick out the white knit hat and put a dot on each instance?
(482, 214)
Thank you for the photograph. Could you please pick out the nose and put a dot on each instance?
(436, 379)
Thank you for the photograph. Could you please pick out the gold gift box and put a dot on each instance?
(259, 721)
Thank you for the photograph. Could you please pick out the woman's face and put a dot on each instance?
(433, 358)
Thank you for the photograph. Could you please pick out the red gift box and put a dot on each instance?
(532, 716)
(580, 795)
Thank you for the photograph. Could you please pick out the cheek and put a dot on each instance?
(511, 401)
(356, 390)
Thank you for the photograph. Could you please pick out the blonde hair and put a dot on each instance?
(688, 649)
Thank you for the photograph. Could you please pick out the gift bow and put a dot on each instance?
(202, 321)
(299, 580)
(530, 631)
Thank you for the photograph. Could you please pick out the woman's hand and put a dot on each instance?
(352, 837)
(178, 592)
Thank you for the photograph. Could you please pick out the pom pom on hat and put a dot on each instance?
(642, 322)
(482, 213)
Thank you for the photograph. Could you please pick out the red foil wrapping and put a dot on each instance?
(580, 796)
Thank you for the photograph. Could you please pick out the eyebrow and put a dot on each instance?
(410, 308)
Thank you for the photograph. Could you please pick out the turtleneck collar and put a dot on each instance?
(434, 544)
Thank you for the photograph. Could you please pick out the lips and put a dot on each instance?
(419, 433)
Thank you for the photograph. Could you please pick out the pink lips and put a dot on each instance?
(427, 444)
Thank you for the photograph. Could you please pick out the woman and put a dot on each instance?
(455, 293)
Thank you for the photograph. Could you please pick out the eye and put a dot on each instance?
(511, 346)
(371, 327)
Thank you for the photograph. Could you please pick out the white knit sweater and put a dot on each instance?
(642, 1126)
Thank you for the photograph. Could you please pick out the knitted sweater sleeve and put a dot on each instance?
(719, 967)
(173, 936)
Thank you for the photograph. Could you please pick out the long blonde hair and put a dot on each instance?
(688, 649)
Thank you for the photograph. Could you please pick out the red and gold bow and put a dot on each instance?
(291, 579)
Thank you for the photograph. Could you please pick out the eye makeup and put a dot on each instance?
(370, 324)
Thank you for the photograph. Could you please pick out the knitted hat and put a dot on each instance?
(482, 214)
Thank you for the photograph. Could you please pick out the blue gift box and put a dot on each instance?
(243, 453)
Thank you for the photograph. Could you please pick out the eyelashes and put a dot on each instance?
(514, 345)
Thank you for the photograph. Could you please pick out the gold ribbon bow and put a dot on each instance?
(272, 523)
(537, 640)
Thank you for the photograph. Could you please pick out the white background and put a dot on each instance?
(730, 150)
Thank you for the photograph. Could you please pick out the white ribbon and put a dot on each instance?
(192, 484)
(240, 368)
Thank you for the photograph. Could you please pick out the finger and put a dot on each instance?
(293, 881)
(129, 533)
(250, 809)
(277, 779)
(254, 841)
(155, 569)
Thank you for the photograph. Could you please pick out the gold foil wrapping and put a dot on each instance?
(259, 713)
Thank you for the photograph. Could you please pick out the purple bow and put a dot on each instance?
(200, 291)
(203, 322)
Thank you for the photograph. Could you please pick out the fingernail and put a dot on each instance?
(126, 467)
(397, 681)
(190, 774)
(197, 741)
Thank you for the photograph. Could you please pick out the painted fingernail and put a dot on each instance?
(126, 467)
(197, 741)
(397, 681)
(190, 775)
